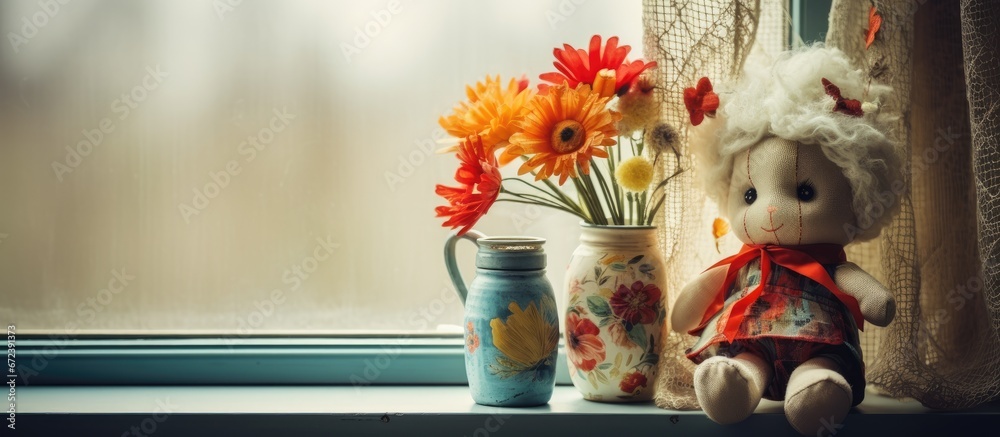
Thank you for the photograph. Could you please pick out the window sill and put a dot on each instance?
(418, 410)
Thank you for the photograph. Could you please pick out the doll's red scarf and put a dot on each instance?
(806, 260)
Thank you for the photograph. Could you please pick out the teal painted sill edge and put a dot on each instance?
(246, 361)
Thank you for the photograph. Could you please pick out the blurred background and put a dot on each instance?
(254, 167)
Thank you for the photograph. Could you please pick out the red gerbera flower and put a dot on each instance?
(636, 304)
(701, 101)
(480, 178)
(578, 66)
(584, 345)
(843, 105)
(632, 381)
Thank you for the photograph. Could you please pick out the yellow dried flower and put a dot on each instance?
(634, 174)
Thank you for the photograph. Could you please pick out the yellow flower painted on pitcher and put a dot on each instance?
(525, 341)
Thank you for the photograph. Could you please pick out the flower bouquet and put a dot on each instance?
(595, 123)
(574, 127)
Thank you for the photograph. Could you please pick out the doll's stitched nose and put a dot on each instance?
(771, 209)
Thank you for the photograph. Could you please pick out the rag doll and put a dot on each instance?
(798, 158)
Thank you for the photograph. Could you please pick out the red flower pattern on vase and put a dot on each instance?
(574, 287)
(619, 304)
(471, 339)
(584, 345)
(578, 66)
(636, 304)
(480, 177)
(701, 101)
(632, 382)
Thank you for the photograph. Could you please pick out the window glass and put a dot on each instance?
(253, 167)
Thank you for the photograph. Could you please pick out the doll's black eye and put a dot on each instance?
(750, 196)
(806, 192)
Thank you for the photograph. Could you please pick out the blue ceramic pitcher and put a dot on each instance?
(511, 321)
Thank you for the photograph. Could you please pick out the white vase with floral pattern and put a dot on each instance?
(615, 313)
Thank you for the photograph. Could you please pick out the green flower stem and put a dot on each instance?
(555, 189)
(642, 208)
(583, 199)
(639, 213)
(591, 191)
(656, 209)
(664, 182)
(615, 215)
(581, 191)
(543, 204)
(617, 190)
(586, 191)
(631, 208)
(557, 196)
(566, 199)
(537, 199)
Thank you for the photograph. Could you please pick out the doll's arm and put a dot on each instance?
(876, 302)
(695, 298)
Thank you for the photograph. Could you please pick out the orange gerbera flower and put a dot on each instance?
(492, 112)
(566, 127)
(578, 66)
(480, 178)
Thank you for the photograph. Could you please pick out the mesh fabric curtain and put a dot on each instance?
(940, 255)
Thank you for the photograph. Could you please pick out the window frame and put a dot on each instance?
(280, 360)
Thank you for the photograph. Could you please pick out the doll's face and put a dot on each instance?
(787, 193)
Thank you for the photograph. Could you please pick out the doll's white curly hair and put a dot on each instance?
(786, 98)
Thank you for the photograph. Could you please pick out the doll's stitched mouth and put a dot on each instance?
(773, 229)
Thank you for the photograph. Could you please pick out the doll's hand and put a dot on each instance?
(877, 304)
(695, 298)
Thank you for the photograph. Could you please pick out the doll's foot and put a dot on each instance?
(817, 398)
(729, 389)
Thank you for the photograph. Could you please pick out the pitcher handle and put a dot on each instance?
(449, 260)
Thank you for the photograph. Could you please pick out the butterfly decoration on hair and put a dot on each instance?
(843, 105)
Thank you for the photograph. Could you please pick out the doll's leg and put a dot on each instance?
(818, 396)
(729, 389)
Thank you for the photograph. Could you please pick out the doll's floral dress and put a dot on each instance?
(793, 320)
